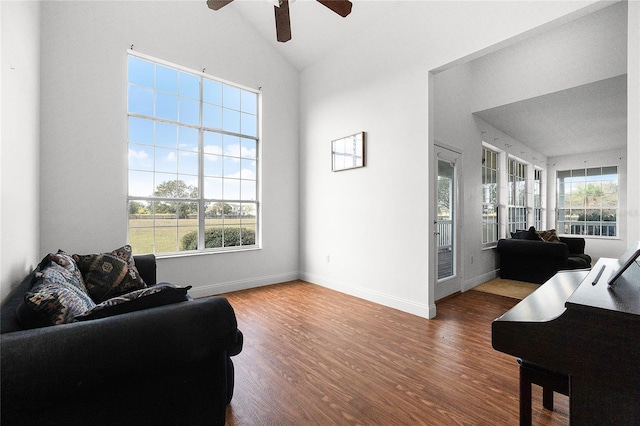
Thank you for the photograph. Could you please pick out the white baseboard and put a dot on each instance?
(227, 287)
(409, 306)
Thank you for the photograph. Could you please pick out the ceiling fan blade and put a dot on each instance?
(217, 4)
(283, 23)
(341, 7)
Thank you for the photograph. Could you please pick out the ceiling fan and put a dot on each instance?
(283, 23)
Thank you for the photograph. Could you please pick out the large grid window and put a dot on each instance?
(517, 188)
(489, 196)
(193, 163)
(537, 198)
(588, 201)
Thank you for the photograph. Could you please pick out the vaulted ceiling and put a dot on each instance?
(590, 117)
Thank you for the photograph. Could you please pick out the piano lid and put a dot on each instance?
(548, 301)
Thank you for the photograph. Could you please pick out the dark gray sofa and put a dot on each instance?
(163, 365)
(536, 261)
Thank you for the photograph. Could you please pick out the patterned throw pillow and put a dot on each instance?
(549, 235)
(157, 295)
(58, 294)
(107, 275)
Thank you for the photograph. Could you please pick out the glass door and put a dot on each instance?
(446, 232)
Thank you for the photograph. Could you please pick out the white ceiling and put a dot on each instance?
(561, 123)
(568, 121)
(315, 30)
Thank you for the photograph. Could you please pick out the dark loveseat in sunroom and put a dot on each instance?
(526, 256)
(167, 361)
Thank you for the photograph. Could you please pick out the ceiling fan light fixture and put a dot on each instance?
(281, 9)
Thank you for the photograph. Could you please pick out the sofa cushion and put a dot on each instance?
(58, 294)
(529, 234)
(158, 295)
(107, 275)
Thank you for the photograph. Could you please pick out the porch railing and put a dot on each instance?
(445, 228)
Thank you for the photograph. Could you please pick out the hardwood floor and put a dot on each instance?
(313, 356)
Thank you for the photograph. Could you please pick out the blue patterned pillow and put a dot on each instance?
(57, 296)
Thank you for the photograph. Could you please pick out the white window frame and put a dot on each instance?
(490, 197)
(246, 199)
(568, 212)
(517, 189)
(538, 200)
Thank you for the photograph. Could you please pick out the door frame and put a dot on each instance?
(452, 284)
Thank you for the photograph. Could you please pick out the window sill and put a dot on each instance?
(207, 252)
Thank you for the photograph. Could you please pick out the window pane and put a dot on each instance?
(213, 188)
(231, 167)
(230, 120)
(231, 189)
(249, 124)
(231, 146)
(231, 97)
(248, 190)
(188, 162)
(212, 116)
(140, 131)
(188, 139)
(166, 185)
(212, 143)
(141, 72)
(213, 92)
(189, 111)
(248, 169)
(189, 86)
(166, 106)
(166, 135)
(248, 148)
(140, 100)
(212, 165)
(141, 157)
(140, 183)
(249, 102)
(166, 79)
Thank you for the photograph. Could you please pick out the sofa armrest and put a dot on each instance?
(124, 347)
(576, 244)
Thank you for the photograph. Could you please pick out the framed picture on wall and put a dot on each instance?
(348, 152)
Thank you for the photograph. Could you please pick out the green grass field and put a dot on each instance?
(169, 232)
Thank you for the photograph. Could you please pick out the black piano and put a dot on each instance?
(588, 333)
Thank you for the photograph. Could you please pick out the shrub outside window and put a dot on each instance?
(193, 160)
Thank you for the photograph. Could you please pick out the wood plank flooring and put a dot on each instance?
(313, 356)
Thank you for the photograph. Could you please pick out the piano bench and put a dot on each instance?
(550, 382)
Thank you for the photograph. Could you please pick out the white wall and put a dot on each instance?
(633, 125)
(19, 148)
(375, 223)
(84, 136)
(596, 247)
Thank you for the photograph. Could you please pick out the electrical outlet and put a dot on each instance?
(328, 259)
(472, 260)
